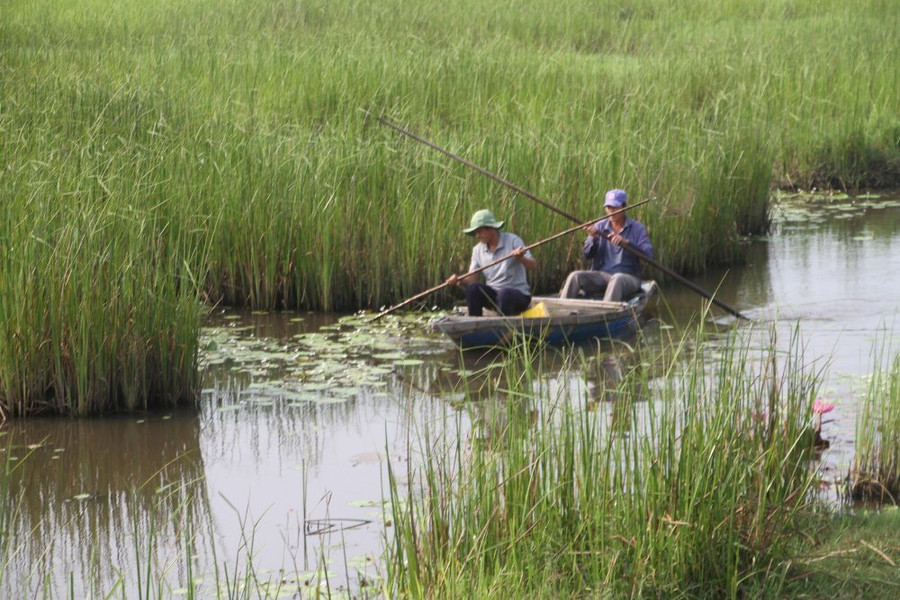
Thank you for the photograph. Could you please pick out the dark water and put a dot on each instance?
(282, 467)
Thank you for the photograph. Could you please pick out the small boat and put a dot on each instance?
(549, 319)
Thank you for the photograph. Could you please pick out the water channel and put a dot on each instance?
(281, 471)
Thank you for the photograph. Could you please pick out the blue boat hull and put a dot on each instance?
(555, 335)
(560, 322)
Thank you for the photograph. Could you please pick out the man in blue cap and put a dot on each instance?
(505, 286)
(614, 272)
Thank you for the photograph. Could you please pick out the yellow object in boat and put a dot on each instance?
(538, 310)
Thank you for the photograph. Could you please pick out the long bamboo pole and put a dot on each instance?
(475, 167)
(640, 255)
(491, 264)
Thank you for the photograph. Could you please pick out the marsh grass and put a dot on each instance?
(98, 313)
(149, 148)
(875, 473)
(692, 492)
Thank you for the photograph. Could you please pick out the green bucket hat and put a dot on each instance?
(482, 218)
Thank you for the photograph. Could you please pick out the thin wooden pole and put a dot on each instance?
(498, 261)
(475, 167)
(640, 255)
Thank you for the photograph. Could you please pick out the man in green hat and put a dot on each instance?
(505, 287)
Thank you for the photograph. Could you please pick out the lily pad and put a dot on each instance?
(344, 391)
(300, 397)
(331, 400)
(313, 387)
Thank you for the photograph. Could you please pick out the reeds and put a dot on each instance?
(875, 474)
(687, 485)
(98, 313)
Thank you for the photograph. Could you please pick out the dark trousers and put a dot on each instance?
(506, 301)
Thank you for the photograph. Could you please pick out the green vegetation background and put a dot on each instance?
(152, 151)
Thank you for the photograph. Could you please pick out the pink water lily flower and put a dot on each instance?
(820, 407)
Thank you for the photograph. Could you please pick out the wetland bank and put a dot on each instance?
(162, 160)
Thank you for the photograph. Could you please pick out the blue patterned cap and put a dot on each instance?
(616, 198)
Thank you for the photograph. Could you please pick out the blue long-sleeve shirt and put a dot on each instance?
(613, 259)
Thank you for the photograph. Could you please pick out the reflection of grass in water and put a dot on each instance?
(97, 499)
(10, 509)
(93, 542)
(696, 492)
(171, 552)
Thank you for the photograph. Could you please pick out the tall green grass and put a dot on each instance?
(237, 137)
(875, 474)
(258, 110)
(691, 488)
(97, 313)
